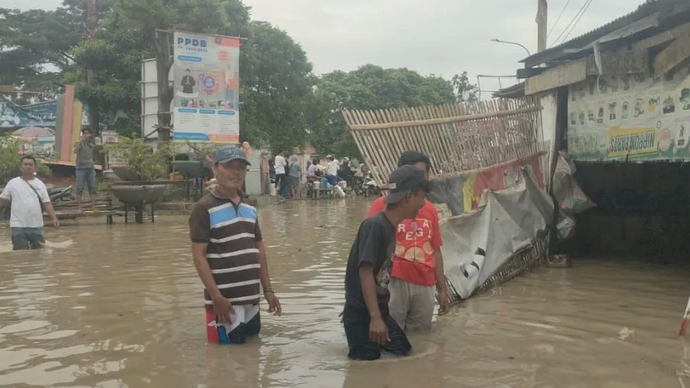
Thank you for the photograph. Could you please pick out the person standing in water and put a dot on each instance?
(229, 254)
(369, 327)
(85, 171)
(418, 262)
(28, 197)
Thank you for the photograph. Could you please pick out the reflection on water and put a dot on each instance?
(121, 306)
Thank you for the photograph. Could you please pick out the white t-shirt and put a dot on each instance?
(26, 210)
(279, 165)
(332, 168)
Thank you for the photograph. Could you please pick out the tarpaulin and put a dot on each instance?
(478, 244)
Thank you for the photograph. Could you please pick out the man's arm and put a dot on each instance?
(265, 277)
(439, 272)
(366, 277)
(48, 206)
(3, 202)
(77, 146)
(271, 298)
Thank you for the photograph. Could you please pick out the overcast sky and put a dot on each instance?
(442, 37)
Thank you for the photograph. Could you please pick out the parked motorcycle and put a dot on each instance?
(369, 187)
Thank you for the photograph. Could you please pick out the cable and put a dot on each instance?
(571, 22)
(578, 21)
(558, 19)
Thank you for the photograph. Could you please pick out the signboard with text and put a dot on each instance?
(206, 84)
(630, 117)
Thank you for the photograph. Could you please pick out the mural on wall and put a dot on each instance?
(630, 117)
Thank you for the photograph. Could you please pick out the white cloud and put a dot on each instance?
(443, 37)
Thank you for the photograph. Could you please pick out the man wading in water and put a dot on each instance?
(369, 328)
(418, 263)
(229, 254)
(29, 197)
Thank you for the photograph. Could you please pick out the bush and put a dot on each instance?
(10, 160)
(149, 163)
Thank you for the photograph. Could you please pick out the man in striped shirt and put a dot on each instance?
(229, 254)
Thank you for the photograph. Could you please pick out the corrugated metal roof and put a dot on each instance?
(647, 9)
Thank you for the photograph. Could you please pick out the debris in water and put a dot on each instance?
(625, 333)
(684, 322)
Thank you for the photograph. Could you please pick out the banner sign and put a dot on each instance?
(630, 117)
(42, 114)
(206, 77)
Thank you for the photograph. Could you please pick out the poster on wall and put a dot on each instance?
(630, 117)
(206, 77)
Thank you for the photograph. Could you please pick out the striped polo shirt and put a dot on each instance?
(232, 233)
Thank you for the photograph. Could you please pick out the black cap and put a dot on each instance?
(412, 157)
(405, 180)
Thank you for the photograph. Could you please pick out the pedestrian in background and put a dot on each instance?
(85, 171)
(294, 175)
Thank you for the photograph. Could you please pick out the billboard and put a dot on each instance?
(206, 86)
(630, 117)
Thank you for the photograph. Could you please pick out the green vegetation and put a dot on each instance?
(284, 104)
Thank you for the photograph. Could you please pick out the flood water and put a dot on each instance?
(121, 306)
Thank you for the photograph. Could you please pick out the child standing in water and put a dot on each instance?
(369, 328)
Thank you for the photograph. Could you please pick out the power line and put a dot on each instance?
(578, 21)
(584, 6)
(558, 19)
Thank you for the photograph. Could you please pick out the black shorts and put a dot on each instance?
(356, 323)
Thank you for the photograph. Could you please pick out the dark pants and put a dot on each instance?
(356, 322)
(27, 238)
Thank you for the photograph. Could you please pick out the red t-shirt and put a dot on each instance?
(416, 242)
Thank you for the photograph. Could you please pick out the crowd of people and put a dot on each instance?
(393, 272)
(286, 172)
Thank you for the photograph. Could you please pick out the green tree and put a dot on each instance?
(276, 86)
(464, 90)
(369, 87)
(35, 44)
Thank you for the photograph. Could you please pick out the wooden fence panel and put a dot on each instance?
(457, 137)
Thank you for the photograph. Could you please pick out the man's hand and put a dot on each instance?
(56, 223)
(378, 331)
(443, 301)
(273, 303)
(222, 308)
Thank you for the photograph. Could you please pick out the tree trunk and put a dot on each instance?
(164, 62)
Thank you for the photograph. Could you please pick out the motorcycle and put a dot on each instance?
(369, 187)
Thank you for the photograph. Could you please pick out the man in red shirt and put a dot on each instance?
(417, 262)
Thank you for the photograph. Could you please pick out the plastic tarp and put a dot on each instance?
(476, 245)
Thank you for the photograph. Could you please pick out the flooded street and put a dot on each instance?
(122, 306)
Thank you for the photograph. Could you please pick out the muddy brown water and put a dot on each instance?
(121, 306)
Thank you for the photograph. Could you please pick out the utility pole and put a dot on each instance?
(542, 23)
(91, 23)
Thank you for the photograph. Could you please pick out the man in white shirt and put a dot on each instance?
(332, 171)
(279, 165)
(28, 197)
